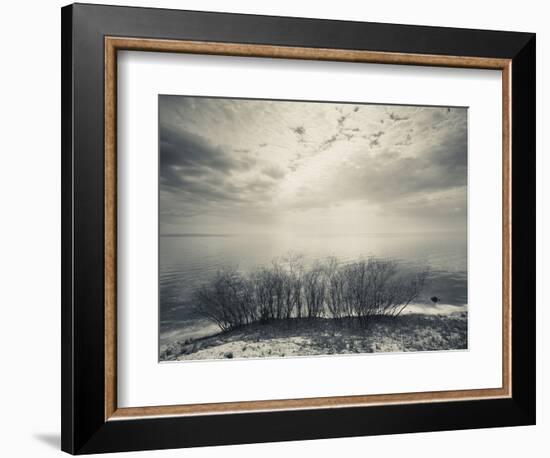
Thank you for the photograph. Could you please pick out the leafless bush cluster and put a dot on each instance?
(228, 300)
(373, 287)
(360, 290)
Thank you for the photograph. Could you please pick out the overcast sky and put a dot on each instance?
(249, 166)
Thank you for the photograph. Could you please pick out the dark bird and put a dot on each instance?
(435, 299)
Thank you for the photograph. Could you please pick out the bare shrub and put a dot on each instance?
(376, 288)
(264, 293)
(371, 287)
(405, 289)
(314, 291)
(227, 300)
(360, 290)
(336, 288)
(279, 279)
(293, 284)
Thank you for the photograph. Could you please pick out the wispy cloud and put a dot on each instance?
(270, 165)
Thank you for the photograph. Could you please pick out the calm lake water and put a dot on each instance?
(187, 261)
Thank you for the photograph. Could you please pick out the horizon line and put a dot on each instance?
(206, 234)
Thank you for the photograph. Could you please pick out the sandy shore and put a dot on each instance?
(322, 336)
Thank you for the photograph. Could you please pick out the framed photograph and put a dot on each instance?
(271, 221)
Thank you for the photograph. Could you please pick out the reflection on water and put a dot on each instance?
(187, 261)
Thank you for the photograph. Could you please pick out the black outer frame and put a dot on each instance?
(84, 429)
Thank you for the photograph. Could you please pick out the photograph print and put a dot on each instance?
(310, 228)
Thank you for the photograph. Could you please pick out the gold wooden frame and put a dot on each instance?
(112, 45)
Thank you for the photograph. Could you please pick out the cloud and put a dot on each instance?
(201, 189)
(274, 171)
(258, 186)
(392, 169)
(300, 131)
(184, 153)
(390, 175)
(328, 142)
(374, 142)
(396, 117)
(259, 163)
(406, 142)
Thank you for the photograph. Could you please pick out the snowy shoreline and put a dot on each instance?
(433, 329)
